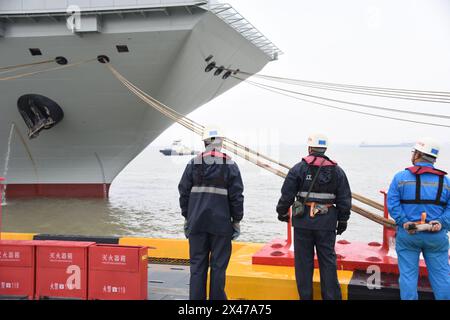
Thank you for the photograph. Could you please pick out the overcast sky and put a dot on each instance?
(386, 43)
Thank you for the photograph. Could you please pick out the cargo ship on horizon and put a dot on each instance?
(381, 145)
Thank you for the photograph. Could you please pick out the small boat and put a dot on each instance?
(178, 149)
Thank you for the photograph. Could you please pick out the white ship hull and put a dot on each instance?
(105, 126)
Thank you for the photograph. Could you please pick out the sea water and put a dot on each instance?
(144, 198)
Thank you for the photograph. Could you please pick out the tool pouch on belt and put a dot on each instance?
(298, 208)
(321, 208)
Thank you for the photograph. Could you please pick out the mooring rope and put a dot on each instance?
(198, 126)
(362, 105)
(236, 148)
(372, 93)
(229, 144)
(28, 74)
(434, 96)
(23, 65)
(275, 90)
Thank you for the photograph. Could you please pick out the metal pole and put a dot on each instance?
(289, 230)
(388, 232)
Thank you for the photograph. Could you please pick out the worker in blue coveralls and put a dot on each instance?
(418, 200)
(321, 195)
(212, 203)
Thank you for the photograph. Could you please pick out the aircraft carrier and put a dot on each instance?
(161, 46)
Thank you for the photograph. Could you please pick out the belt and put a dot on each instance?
(317, 208)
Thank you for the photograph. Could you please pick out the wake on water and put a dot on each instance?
(7, 156)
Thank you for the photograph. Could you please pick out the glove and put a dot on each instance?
(236, 230)
(185, 227)
(410, 227)
(436, 226)
(341, 227)
(283, 217)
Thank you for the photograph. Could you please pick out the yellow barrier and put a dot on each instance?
(168, 248)
(246, 281)
(17, 236)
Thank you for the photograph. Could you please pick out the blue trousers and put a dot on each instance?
(305, 241)
(434, 247)
(208, 251)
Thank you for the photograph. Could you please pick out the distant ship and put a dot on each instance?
(400, 145)
(178, 149)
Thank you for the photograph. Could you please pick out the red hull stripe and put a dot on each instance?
(73, 190)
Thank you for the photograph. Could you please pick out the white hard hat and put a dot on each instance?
(212, 132)
(428, 146)
(318, 141)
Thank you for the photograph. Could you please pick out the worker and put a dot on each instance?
(422, 191)
(321, 195)
(212, 203)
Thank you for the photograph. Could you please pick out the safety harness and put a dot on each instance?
(217, 185)
(318, 198)
(418, 171)
(319, 193)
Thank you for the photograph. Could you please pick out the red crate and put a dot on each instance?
(17, 260)
(118, 272)
(61, 269)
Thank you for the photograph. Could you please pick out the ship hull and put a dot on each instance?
(105, 126)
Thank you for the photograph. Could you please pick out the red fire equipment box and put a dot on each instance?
(117, 272)
(17, 268)
(61, 269)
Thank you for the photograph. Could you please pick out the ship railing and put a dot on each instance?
(235, 20)
(120, 11)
